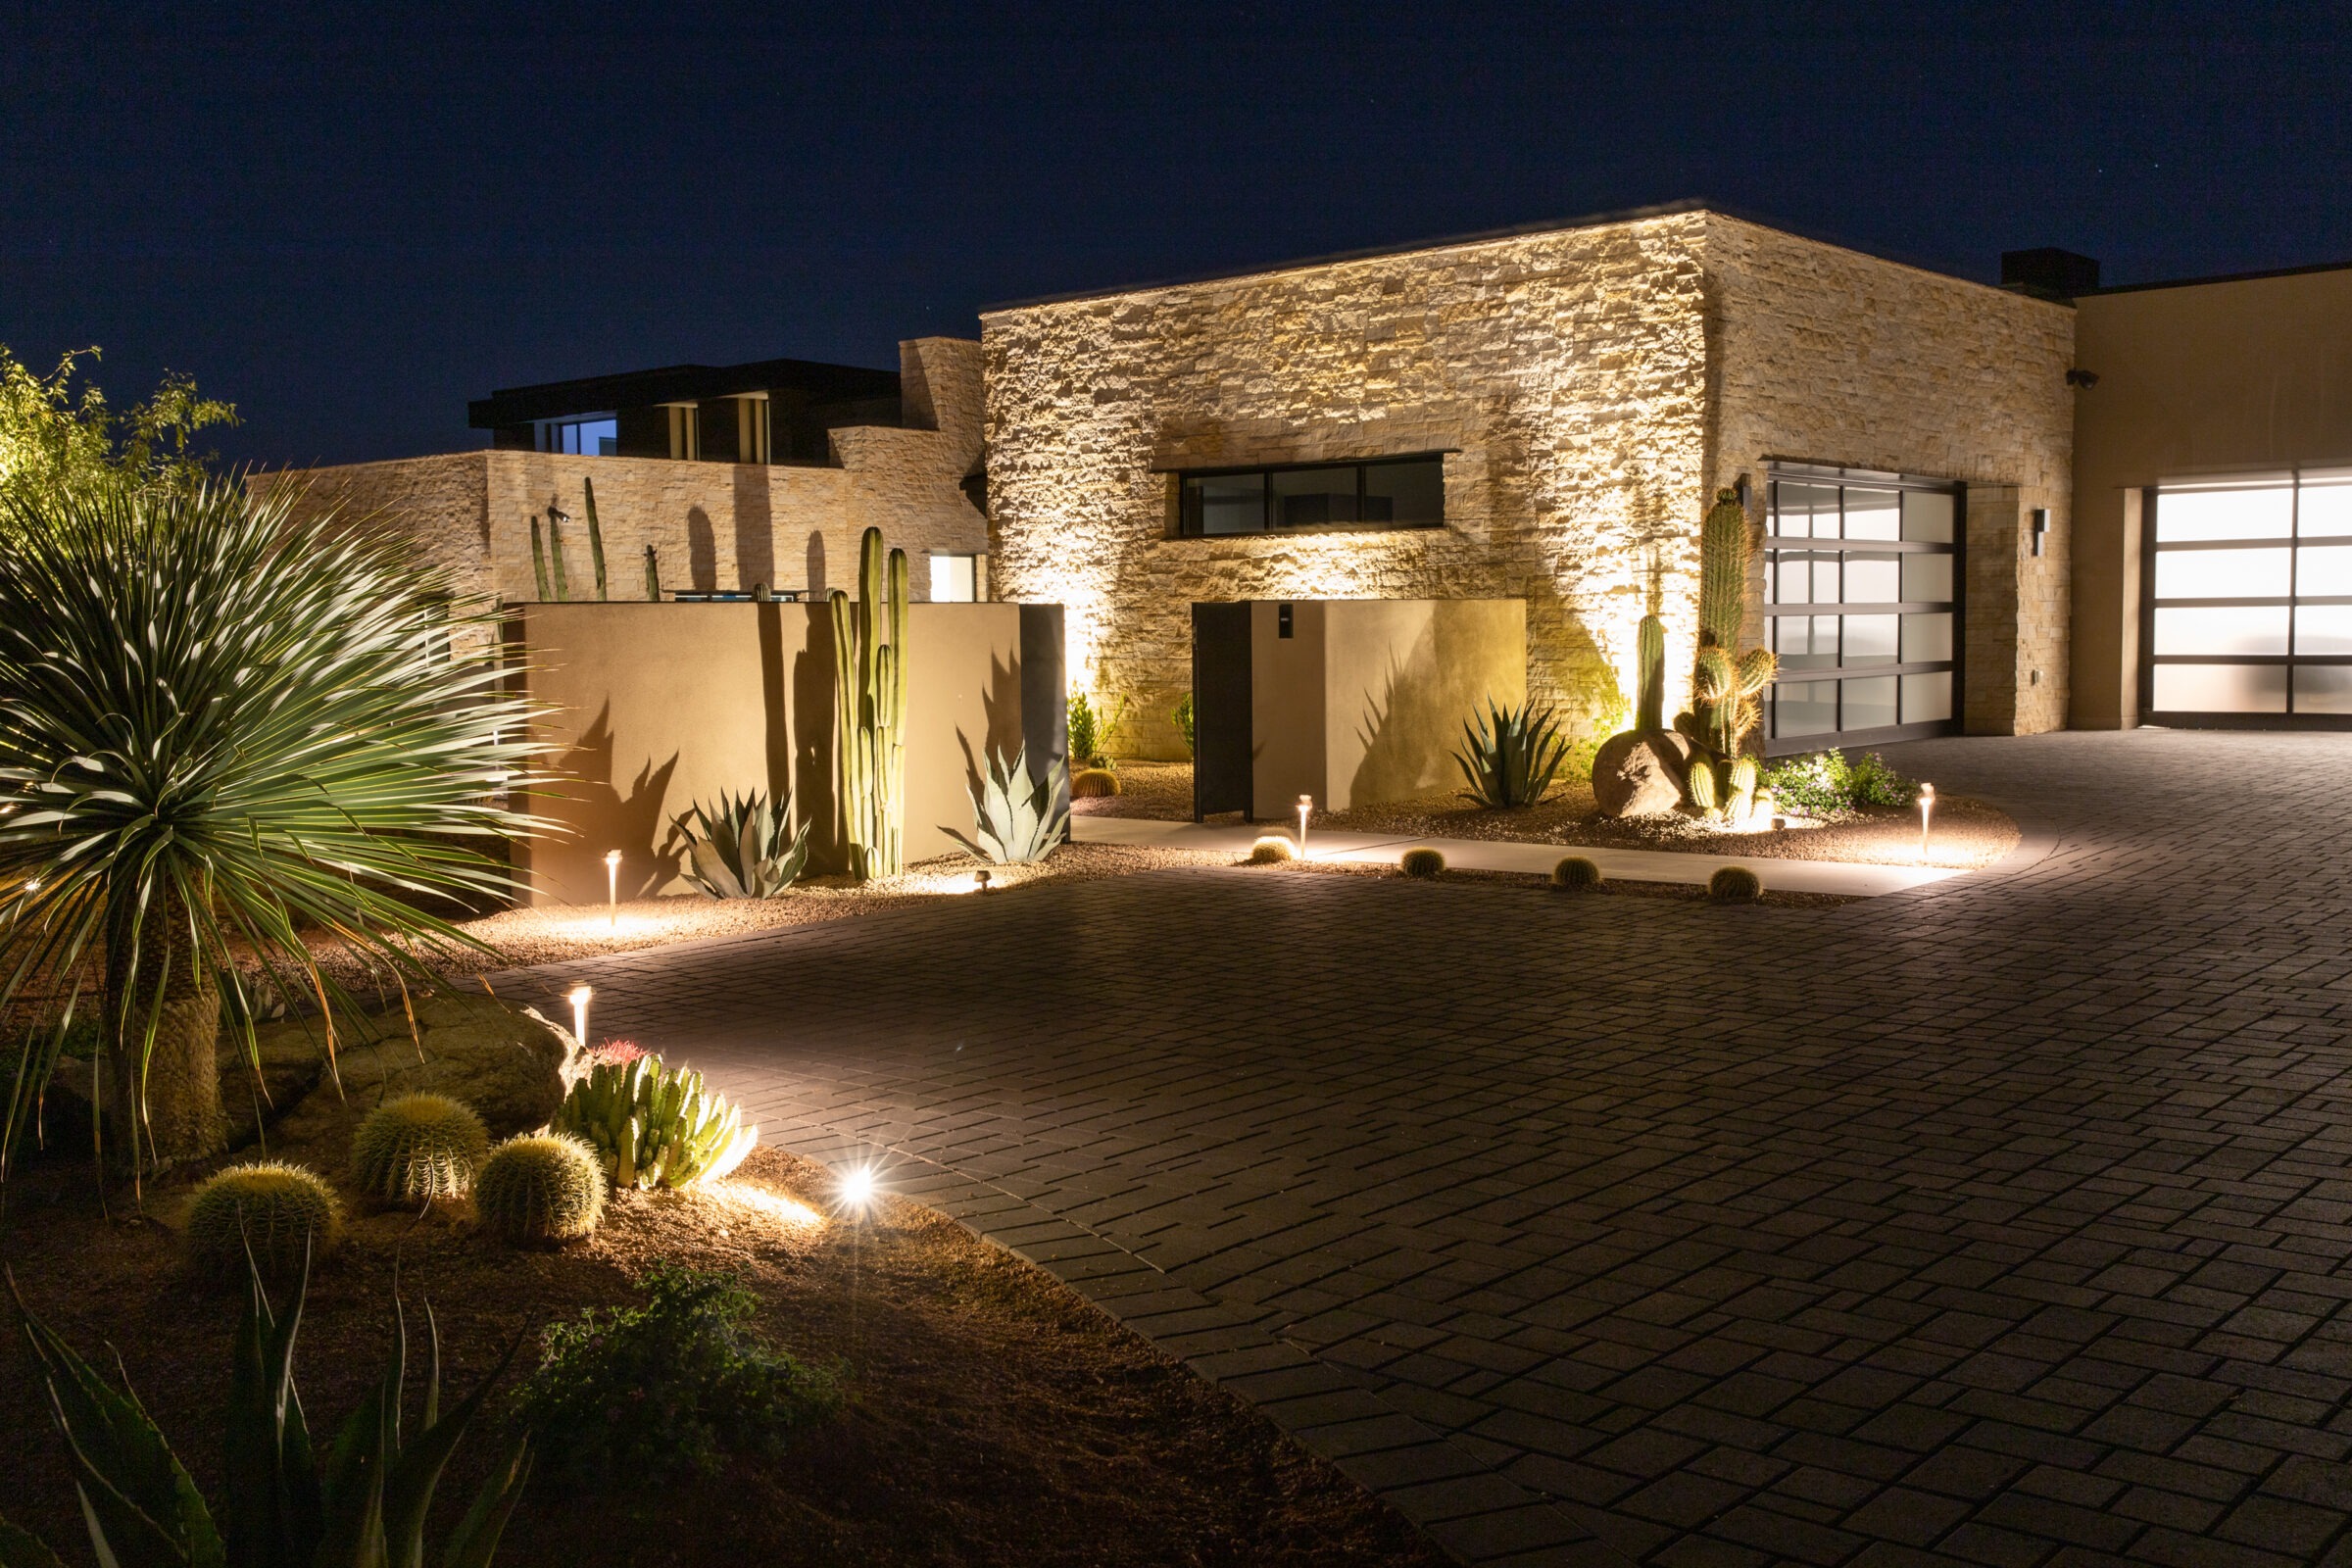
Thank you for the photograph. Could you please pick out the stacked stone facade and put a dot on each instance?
(1589, 387)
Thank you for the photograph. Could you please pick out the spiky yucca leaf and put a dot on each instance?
(743, 849)
(221, 727)
(1017, 818)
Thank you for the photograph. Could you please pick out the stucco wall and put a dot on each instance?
(1562, 373)
(1828, 356)
(714, 524)
(656, 706)
(2199, 378)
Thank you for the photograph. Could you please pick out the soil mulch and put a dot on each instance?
(995, 1416)
(1612, 888)
(1967, 833)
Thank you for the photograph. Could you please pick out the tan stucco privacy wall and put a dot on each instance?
(2194, 379)
(657, 707)
(1589, 387)
(1364, 700)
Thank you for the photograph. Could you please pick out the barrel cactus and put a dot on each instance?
(540, 1188)
(1576, 873)
(418, 1148)
(654, 1126)
(1423, 862)
(1746, 773)
(1094, 783)
(1735, 884)
(283, 1214)
(1272, 850)
(1705, 790)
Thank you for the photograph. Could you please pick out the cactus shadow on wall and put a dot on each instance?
(702, 550)
(1001, 736)
(638, 820)
(817, 564)
(809, 757)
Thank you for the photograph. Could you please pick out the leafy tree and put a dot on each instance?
(59, 438)
(226, 730)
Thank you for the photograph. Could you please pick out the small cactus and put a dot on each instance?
(1735, 884)
(1576, 873)
(1424, 863)
(540, 1188)
(1746, 775)
(539, 561)
(1705, 792)
(1649, 675)
(418, 1148)
(1272, 850)
(1094, 783)
(284, 1214)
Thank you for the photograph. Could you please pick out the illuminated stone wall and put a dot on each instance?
(1591, 388)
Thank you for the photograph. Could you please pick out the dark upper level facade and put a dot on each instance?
(768, 411)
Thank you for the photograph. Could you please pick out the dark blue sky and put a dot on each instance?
(350, 220)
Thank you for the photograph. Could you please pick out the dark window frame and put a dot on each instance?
(1189, 522)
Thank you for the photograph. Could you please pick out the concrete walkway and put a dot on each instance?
(1853, 879)
(2006, 1220)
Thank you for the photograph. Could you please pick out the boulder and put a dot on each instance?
(1641, 773)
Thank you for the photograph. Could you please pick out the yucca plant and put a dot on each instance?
(1017, 818)
(742, 848)
(225, 728)
(654, 1126)
(364, 1507)
(1510, 756)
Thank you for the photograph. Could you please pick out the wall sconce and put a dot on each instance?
(2042, 526)
(578, 997)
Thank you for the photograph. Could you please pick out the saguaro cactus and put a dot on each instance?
(596, 539)
(869, 644)
(539, 558)
(555, 548)
(653, 576)
(1649, 675)
(1722, 571)
(1725, 685)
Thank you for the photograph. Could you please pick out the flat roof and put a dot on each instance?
(677, 383)
(2218, 277)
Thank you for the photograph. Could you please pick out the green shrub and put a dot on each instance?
(418, 1148)
(743, 849)
(1272, 850)
(1091, 732)
(1423, 862)
(1576, 873)
(1094, 784)
(1735, 884)
(284, 1214)
(1510, 756)
(670, 1385)
(540, 1188)
(654, 1126)
(1825, 784)
(1183, 721)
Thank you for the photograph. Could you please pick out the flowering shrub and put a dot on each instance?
(1825, 784)
(669, 1385)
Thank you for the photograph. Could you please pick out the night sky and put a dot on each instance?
(349, 220)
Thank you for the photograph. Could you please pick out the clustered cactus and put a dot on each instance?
(1423, 862)
(869, 694)
(284, 1215)
(1272, 850)
(418, 1148)
(1094, 783)
(1576, 873)
(1725, 685)
(1735, 884)
(540, 1189)
(654, 1126)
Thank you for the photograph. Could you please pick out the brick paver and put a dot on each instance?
(2004, 1221)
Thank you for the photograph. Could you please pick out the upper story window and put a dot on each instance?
(1379, 493)
(596, 436)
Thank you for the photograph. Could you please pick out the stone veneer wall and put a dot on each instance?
(714, 524)
(1591, 388)
(1830, 355)
(1563, 373)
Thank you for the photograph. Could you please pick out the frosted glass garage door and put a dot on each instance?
(2249, 600)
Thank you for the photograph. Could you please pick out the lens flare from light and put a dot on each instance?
(857, 1187)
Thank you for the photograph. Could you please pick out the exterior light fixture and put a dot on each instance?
(1927, 810)
(1306, 803)
(980, 879)
(34, 886)
(578, 997)
(612, 885)
(857, 1187)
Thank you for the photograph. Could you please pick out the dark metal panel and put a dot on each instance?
(1223, 738)
(1045, 704)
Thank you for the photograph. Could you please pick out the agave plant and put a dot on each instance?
(365, 1505)
(224, 727)
(1510, 756)
(743, 849)
(654, 1126)
(1019, 819)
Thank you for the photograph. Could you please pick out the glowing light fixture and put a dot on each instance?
(980, 879)
(857, 1187)
(612, 886)
(1927, 810)
(1306, 803)
(578, 997)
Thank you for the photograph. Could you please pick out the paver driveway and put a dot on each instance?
(2001, 1222)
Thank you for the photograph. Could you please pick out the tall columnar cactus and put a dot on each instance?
(539, 560)
(596, 539)
(653, 576)
(869, 643)
(555, 548)
(1722, 571)
(1725, 685)
(1649, 675)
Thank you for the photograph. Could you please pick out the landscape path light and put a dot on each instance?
(1926, 808)
(578, 997)
(1306, 803)
(612, 885)
(858, 1188)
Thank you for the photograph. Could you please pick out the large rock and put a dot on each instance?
(1641, 774)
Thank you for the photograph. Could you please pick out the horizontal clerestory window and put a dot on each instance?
(1377, 493)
